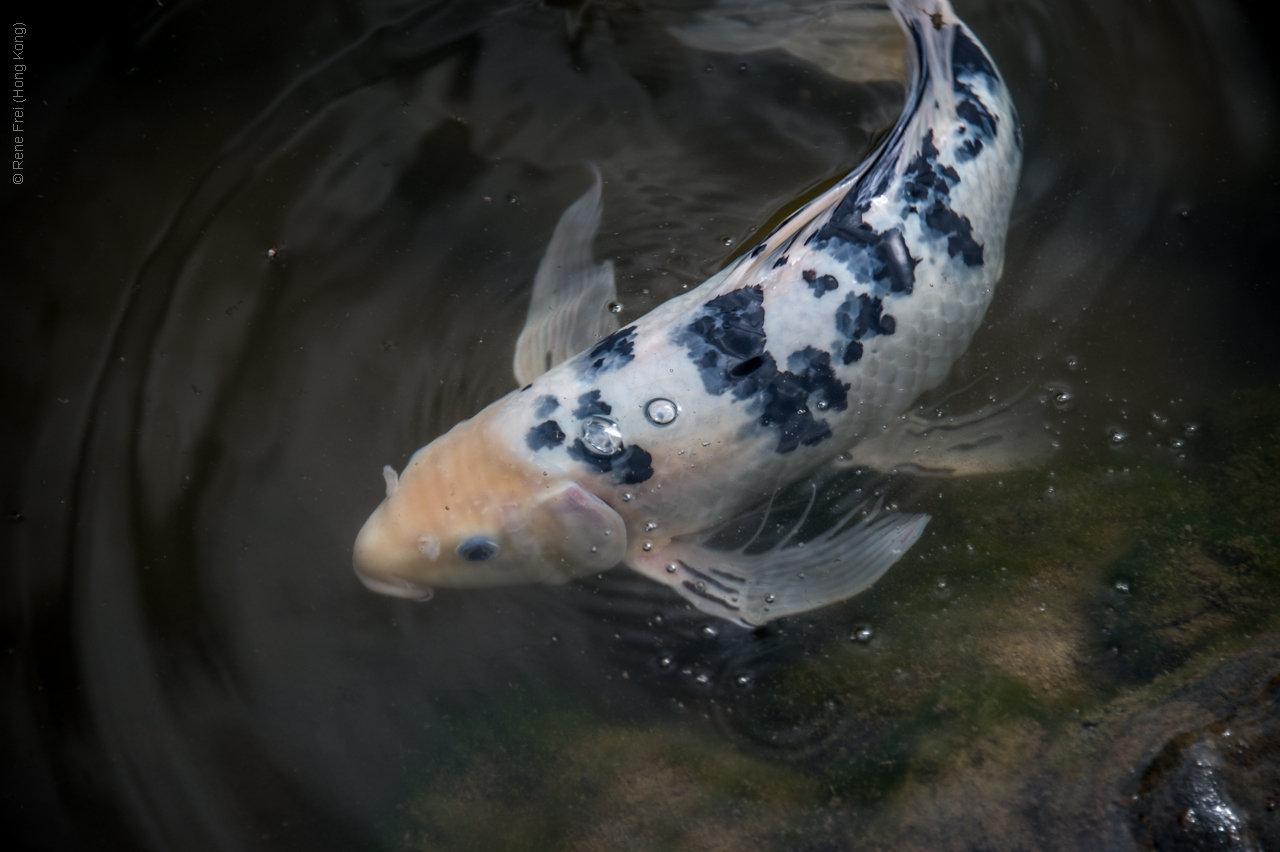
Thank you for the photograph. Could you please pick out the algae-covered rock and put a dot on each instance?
(1081, 657)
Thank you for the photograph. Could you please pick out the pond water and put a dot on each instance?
(263, 249)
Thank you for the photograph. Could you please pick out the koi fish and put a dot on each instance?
(634, 445)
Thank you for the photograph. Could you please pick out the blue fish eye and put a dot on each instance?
(477, 549)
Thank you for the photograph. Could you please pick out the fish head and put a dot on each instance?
(469, 512)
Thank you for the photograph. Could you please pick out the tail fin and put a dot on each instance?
(855, 41)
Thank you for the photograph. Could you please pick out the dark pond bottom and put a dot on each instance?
(261, 250)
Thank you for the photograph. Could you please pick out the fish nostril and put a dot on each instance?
(477, 549)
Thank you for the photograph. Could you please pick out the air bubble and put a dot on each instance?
(647, 546)
(703, 678)
(627, 496)
(769, 599)
(664, 662)
(671, 569)
(651, 526)
(709, 631)
(660, 411)
(601, 435)
(1122, 586)
(1117, 436)
(615, 307)
(821, 405)
(743, 680)
(862, 634)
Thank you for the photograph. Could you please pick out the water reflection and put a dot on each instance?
(304, 251)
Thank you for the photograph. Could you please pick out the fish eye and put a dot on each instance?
(477, 549)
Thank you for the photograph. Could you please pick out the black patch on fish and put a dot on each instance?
(546, 405)
(813, 367)
(755, 252)
(634, 466)
(897, 266)
(780, 262)
(546, 434)
(589, 403)
(727, 343)
(975, 113)
(861, 317)
(967, 57)
(629, 466)
(891, 263)
(526, 387)
(970, 149)
(729, 332)
(958, 230)
(820, 286)
(926, 179)
(925, 176)
(747, 367)
(614, 351)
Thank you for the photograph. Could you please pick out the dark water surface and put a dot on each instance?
(1086, 655)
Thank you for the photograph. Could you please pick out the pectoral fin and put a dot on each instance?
(754, 588)
(995, 438)
(569, 308)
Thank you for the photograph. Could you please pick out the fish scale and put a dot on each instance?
(814, 341)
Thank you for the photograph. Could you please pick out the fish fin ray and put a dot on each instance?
(569, 308)
(996, 438)
(752, 589)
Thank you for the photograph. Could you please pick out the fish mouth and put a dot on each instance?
(396, 587)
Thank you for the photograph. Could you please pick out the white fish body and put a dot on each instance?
(811, 344)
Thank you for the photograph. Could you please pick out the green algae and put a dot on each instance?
(1046, 614)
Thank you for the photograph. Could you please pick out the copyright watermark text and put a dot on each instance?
(19, 99)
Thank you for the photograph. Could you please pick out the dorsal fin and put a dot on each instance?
(569, 308)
